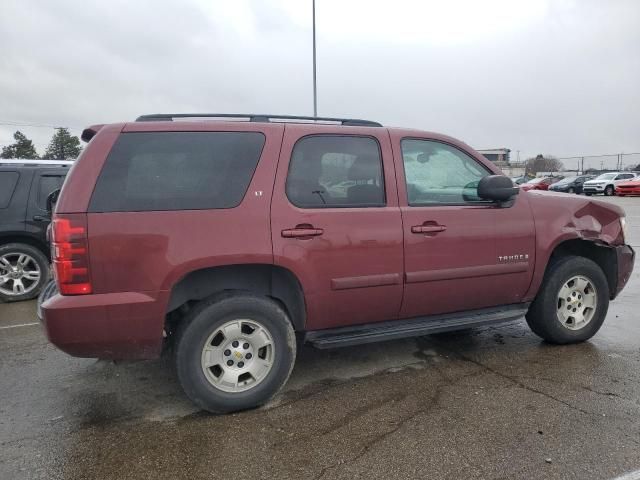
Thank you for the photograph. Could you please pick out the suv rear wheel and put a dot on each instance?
(609, 191)
(24, 270)
(572, 302)
(235, 352)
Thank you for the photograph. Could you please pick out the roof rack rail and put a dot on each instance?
(20, 161)
(253, 117)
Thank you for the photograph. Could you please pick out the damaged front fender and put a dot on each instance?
(579, 226)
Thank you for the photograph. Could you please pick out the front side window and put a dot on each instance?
(8, 182)
(437, 173)
(328, 171)
(177, 171)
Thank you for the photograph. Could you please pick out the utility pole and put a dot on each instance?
(315, 90)
(582, 166)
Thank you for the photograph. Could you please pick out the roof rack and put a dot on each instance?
(34, 163)
(253, 117)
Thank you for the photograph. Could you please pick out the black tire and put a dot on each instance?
(571, 190)
(203, 320)
(542, 315)
(587, 194)
(40, 259)
(609, 191)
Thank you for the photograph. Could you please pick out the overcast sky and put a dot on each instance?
(553, 77)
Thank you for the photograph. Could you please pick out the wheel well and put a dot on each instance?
(272, 281)
(604, 256)
(34, 242)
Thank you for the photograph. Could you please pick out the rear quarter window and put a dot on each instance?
(8, 182)
(47, 185)
(149, 171)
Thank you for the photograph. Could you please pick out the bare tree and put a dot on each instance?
(542, 163)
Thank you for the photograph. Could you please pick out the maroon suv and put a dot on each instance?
(234, 238)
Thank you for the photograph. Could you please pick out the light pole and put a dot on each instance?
(315, 90)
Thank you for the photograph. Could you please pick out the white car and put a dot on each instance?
(606, 183)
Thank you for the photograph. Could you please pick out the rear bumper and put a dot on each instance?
(625, 259)
(124, 325)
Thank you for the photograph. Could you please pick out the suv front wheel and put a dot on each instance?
(234, 352)
(24, 270)
(572, 302)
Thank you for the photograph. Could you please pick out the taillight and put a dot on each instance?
(70, 254)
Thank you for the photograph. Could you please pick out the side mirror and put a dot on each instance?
(52, 198)
(497, 188)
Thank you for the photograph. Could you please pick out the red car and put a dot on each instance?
(631, 187)
(235, 241)
(540, 183)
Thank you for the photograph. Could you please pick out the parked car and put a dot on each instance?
(24, 188)
(227, 240)
(628, 187)
(606, 183)
(520, 180)
(570, 184)
(540, 183)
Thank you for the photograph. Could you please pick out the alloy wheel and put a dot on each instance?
(238, 355)
(19, 274)
(577, 303)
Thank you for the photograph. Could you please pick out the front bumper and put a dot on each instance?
(123, 325)
(625, 257)
(593, 188)
(628, 190)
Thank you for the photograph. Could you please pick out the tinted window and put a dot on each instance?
(177, 171)
(48, 183)
(8, 182)
(437, 173)
(336, 171)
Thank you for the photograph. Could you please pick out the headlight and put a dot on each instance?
(623, 226)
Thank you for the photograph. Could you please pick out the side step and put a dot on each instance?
(415, 327)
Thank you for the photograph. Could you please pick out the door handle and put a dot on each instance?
(302, 232)
(41, 218)
(428, 228)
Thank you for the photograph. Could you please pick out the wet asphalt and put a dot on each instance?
(484, 403)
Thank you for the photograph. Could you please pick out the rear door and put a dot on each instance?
(336, 223)
(44, 182)
(461, 252)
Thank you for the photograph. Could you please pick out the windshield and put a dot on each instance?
(607, 176)
(567, 180)
(536, 180)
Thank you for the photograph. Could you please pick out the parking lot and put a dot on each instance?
(493, 402)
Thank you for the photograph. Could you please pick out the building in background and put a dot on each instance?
(497, 155)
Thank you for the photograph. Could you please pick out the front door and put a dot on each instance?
(461, 252)
(336, 223)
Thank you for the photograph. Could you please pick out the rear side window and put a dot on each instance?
(177, 171)
(8, 182)
(329, 171)
(48, 184)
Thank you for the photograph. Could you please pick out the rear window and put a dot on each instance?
(8, 182)
(177, 171)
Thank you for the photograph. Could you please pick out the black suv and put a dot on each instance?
(24, 254)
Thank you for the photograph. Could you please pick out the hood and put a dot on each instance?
(583, 217)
